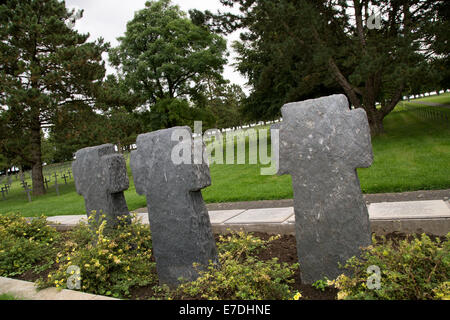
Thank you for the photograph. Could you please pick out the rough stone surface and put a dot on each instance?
(322, 142)
(100, 176)
(181, 229)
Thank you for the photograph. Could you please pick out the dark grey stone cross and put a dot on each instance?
(100, 176)
(27, 190)
(55, 175)
(179, 220)
(46, 182)
(321, 143)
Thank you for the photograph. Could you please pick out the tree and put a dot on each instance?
(369, 50)
(45, 65)
(224, 101)
(163, 58)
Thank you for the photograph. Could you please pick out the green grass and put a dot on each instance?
(443, 98)
(69, 202)
(7, 297)
(414, 154)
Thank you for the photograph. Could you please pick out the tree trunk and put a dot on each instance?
(376, 126)
(36, 159)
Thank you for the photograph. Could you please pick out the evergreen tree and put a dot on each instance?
(45, 66)
(371, 50)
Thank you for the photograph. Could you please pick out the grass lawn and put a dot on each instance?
(443, 98)
(7, 297)
(414, 154)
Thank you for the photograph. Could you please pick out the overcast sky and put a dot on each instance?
(108, 19)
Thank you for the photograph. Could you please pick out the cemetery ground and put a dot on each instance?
(251, 266)
(414, 154)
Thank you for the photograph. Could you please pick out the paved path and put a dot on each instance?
(25, 290)
(430, 216)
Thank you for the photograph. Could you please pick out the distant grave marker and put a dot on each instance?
(65, 178)
(46, 181)
(55, 176)
(27, 190)
(100, 176)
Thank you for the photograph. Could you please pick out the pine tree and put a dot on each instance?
(45, 66)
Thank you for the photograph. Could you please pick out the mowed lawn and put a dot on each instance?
(414, 154)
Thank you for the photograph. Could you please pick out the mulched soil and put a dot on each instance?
(285, 250)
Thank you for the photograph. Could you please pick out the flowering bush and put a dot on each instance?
(241, 275)
(411, 269)
(25, 245)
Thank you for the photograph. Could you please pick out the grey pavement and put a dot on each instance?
(429, 216)
(25, 290)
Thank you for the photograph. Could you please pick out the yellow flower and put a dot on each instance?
(297, 296)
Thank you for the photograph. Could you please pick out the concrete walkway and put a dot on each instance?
(429, 216)
(25, 290)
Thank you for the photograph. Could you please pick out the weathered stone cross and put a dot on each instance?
(27, 190)
(181, 229)
(56, 183)
(65, 178)
(100, 176)
(46, 181)
(322, 142)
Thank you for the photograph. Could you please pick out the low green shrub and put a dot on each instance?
(409, 270)
(241, 275)
(106, 263)
(25, 245)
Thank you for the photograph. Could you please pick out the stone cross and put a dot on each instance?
(7, 188)
(322, 142)
(65, 178)
(179, 220)
(46, 183)
(27, 190)
(69, 172)
(55, 175)
(100, 176)
(3, 193)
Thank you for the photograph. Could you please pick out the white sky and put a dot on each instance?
(108, 19)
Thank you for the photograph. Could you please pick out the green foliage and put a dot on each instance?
(410, 270)
(321, 284)
(25, 245)
(296, 50)
(46, 67)
(240, 274)
(164, 58)
(110, 262)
